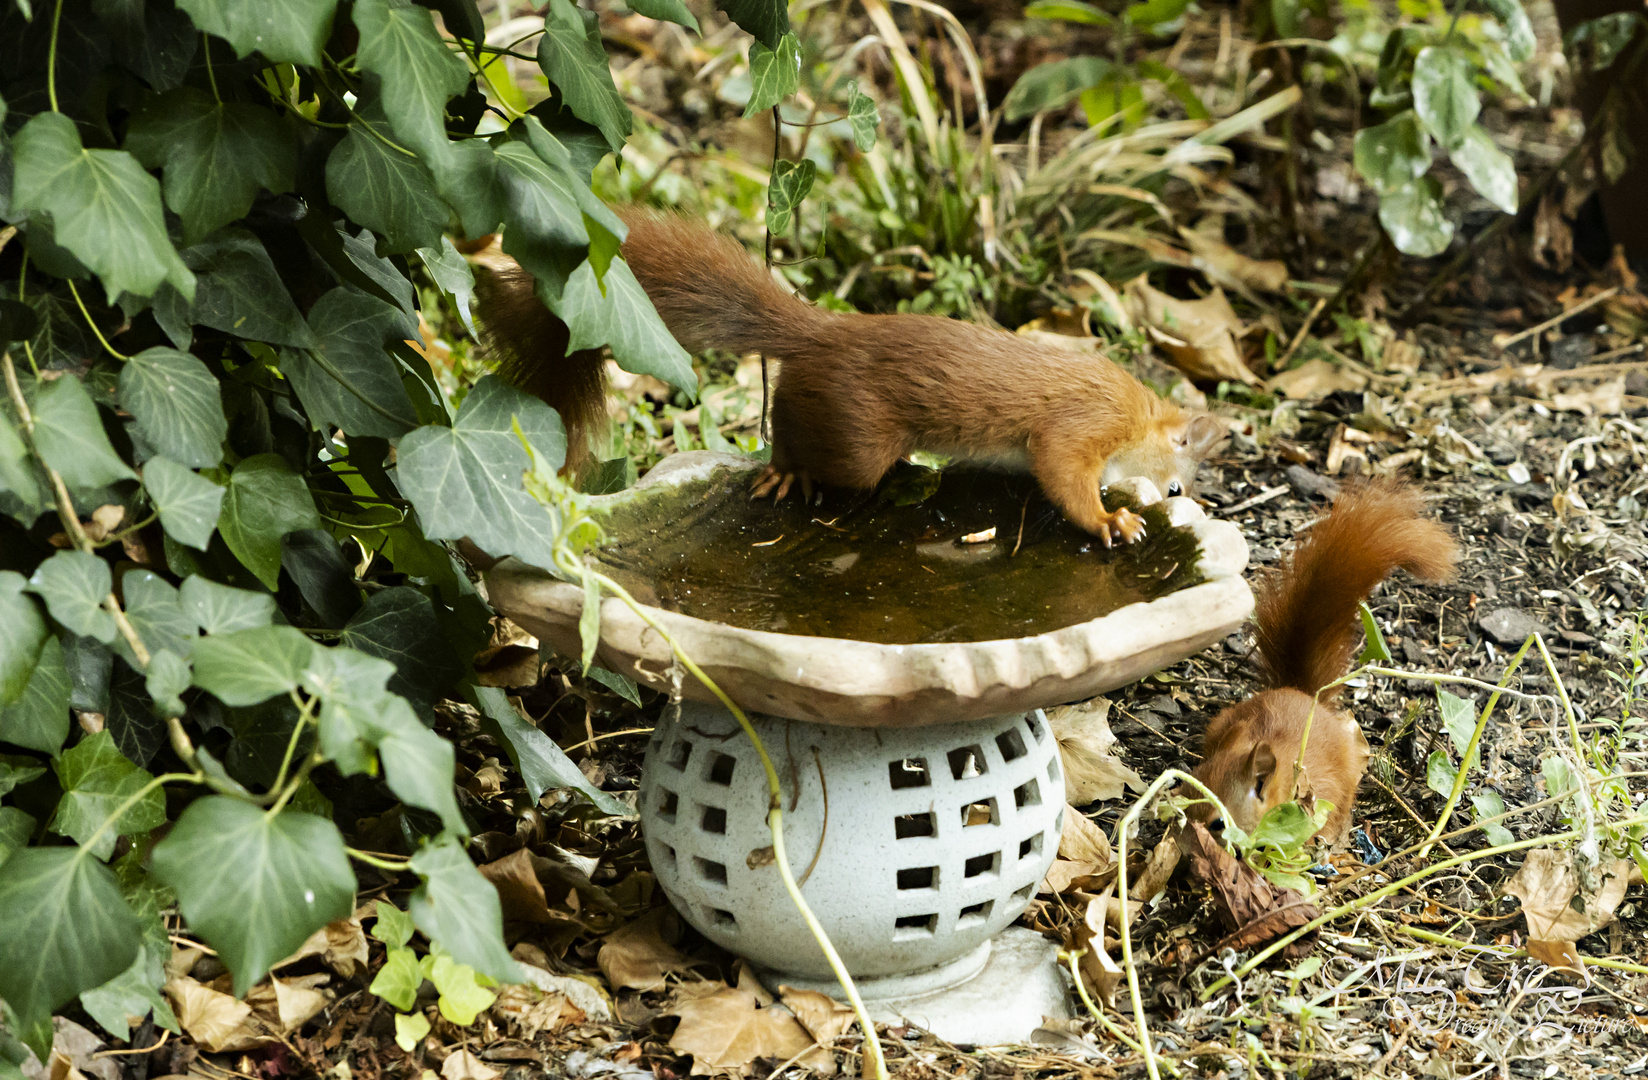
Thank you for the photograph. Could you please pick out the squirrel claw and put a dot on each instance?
(778, 484)
(1123, 525)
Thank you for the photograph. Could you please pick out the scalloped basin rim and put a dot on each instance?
(860, 683)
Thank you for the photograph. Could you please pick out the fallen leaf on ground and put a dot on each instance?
(1314, 380)
(640, 955)
(1224, 265)
(1091, 771)
(529, 1011)
(1607, 399)
(462, 1065)
(217, 1022)
(1199, 336)
(1548, 887)
(727, 1030)
(1255, 910)
(519, 890)
(1164, 859)
(341, 945)
(284, 1005)
(1082, 841)
(825, 1018)
(582, 993)
(1100, 973)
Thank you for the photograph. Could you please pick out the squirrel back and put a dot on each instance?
(1306, 615)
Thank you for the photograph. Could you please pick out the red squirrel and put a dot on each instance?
(855, 392)
(1306, 616)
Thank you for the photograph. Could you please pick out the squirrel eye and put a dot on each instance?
(1174, 488)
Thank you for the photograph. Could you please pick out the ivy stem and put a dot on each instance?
(1508, 954)
(1105, 1022)
(51, 58)
(211, 73)
(132, 800)
(393, 866)
(66, 511)
(122, 357)
(1471, 749)
(306, 710)
(876, 1063)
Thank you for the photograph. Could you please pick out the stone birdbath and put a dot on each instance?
(897, 648)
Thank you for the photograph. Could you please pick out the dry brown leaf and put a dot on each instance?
(825, 1018)
(640, 955)
(519, 890)
(1345, 448)
(297, 1001)
(727, 1031)
(462, 1065)
(217, 1022)
(1255, 910)
(1091, 772)
(751, 984)
(1199, 336)
(341, 945)
(1064, 875)
(1557, 954)
(584, 995)
(1100, 973)
(1164, 859)
(1548, 886)
(529, 1011)
(1083, 841)
(1607, 399)
(1224, 265)
(1553, 240)
(1315, 379)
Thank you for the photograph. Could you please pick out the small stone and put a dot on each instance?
(1310, 484)
(1509, 626)
(1518, 472)
(1577, 638)
(1164, 704)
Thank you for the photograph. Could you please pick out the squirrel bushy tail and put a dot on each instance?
(710, 292)
(1307, 609)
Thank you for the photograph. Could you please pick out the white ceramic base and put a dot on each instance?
(1003, 1000)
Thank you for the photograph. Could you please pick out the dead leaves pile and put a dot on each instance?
(1559, 910)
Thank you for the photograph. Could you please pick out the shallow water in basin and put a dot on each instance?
(889, 567)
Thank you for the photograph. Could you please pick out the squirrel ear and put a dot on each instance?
(1203, 433)
(1261, 763)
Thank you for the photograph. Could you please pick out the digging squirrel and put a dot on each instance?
(1307, 616)
(855, 393)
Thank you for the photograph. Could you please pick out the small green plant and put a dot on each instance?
(462, 991)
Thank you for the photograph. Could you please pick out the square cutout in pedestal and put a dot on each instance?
(909, 826)
(980, 813)
(918, 877)
(911, 927)
(975, 914)
(967, 762)
(908, 773)
(710, 870)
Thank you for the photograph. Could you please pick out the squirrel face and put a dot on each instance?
(1251, 749)
(1170, 453)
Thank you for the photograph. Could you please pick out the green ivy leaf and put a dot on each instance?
(462, 997)
(73, 584)
(398, 43)
(1440, 773)
(15, 829)
(571, 55)
(103, 207)
(1154, 15)
(1519, 31)
(864, 118)
(1053, 85)
(1500, 67)
(1488, 168)
(410, 1028)
(393, 926)
(178, 405)
(786, 191)
(20, 645)
(543, 765)
(418, 765)
(67, 929)
(18, 472)
(250, 666)
(96, 779)
(1285, 828)
(470, 184)
(452, 273)
(1413, 216)
(618, 683)
(132, 995)
(153, 609)
(775, 74)
(1488, 804)
(70, 437)
(1394, 153)
(459, 908)
(265, 501)
(386, 191)
(399, 625)
(545, 229)
(1458, 719)
(626, 320)
(255, 885)
(666, 10)
(214, 157)
(398, 980)
(219, 609)
(1445, 94)
(237, 291)
(466, 480)
(350, 379)
(168, 676)
(15, 770)
(765, 20)
(1607, 36)
(1068, 11)
(1376, 650)
(292, 31)
(188, 503)
(39, 719)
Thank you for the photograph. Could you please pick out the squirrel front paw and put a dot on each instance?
(1123, 525)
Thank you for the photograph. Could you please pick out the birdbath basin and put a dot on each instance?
(890, 609)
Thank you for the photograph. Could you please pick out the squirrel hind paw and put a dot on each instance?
(777, 483)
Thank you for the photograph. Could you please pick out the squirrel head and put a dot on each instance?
(1174, 447)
